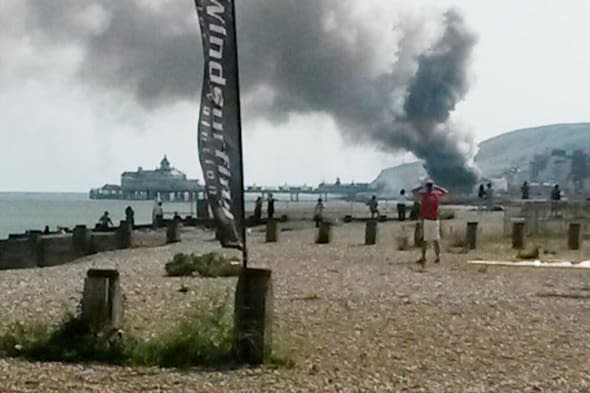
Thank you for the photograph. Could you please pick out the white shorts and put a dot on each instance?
(431, 230)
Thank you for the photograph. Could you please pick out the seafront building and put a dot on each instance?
(165, 183)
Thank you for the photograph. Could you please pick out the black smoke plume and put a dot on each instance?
(296, 56)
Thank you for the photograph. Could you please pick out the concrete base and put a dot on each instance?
(253, 316)
(324, 233)
(371, 232)
(102, 305)
(272, 231)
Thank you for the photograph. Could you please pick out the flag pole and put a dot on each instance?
(239, 110)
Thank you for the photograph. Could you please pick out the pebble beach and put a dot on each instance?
(354, 318)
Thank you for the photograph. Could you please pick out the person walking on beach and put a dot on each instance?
(373, 206)
(555, 198)
(270, 207)
(401, 205)
(258, 210)
(318, 212)
(430, 196)
(525, 190)
(157, 215)
(130, 216)
(104, 222)
(481, 195)
(490, 197)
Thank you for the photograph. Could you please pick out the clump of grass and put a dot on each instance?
(181, 265)
(203, 338)
(207, 265)
(70, 341)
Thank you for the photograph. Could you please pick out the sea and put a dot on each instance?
(23, 211)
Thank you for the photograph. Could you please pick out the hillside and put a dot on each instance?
(517, 148)
(512, 149)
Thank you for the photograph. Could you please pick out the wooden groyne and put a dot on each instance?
(36, 249)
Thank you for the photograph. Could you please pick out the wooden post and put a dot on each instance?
(124, 233)
(574, 236)
(173, 232)
(272, 231)
(102, 306)
(81, 240)
(324, 233)
(518, 235)
(253, 318)
(371, 232)
(471, 235)
(202, 208)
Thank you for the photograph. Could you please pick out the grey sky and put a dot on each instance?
(64, 130)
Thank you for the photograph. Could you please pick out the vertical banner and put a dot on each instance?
(220, 138)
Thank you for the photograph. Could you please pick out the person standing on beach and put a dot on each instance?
(373, 206)
(318, 212)
(130, 216)
(430, 196)
(555, 198)
(490, 197)
(158, 215)
(401, 205)
(104, 221)
(525, 190)
(258, 210)
(270, 207)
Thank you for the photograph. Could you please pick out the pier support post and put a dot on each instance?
(324, 233)
(272, 231)
(518, 235)
(253, 316)
(102, 306)
(574, 238)
(371, 232)
(471, 235)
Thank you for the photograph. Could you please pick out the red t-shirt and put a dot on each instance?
(429, 202)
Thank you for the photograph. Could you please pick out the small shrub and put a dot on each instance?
(446, 214)
(71, 341)
(207, 265)
(181, 265)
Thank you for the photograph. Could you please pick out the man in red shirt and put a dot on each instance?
(429, 196)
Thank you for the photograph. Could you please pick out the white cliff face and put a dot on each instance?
(500, 154)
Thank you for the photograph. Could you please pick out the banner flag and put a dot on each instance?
(220, 134)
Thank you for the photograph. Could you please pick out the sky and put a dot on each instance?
(70, 121)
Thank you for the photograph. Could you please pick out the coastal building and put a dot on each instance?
(165, 183)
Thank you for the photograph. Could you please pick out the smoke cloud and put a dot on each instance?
(392, 88)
